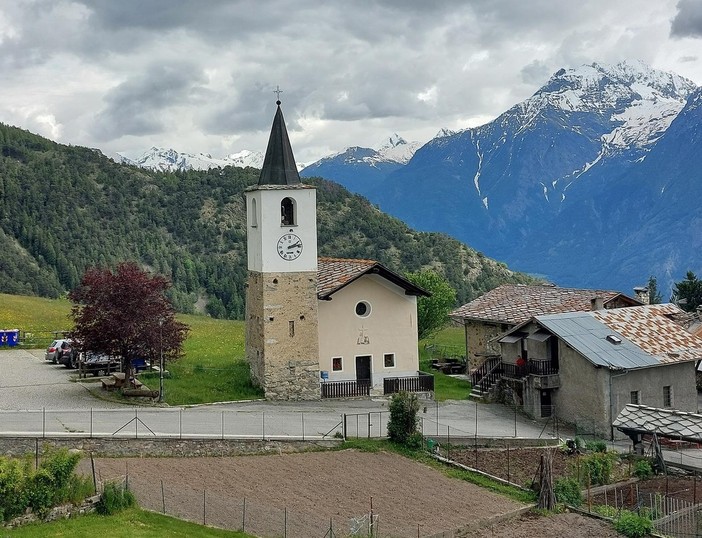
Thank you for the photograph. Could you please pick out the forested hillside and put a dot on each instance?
(65, 208)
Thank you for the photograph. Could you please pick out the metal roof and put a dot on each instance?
(279, 166)
(588, 336)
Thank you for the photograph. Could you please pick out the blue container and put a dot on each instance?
(3, 337)
(12, 337)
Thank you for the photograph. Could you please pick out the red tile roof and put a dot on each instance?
(516, 303)
(335, 273)
(656, 329)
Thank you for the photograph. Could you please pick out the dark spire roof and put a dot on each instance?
(279, 166)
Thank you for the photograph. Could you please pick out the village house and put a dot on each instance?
(319, 327)
(585, 367)
(506, 306)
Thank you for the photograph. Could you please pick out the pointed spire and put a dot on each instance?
(279, 166)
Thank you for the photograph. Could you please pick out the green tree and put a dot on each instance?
(432, 311)
(688, 293)
(654, 294)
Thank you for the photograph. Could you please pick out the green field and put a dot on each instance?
(213, 368)
(131, 523)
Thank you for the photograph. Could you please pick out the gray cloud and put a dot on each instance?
(688, 20)
(136, 106)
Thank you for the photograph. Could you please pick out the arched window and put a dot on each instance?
(254, 215)
(287, 212)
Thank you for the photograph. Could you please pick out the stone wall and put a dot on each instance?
(65, 511)
(282, 334)
(478, 336)
(117, 448)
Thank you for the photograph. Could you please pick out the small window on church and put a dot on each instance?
(254, 216)
(287, 212)
(337, 364)
(363, 309)
(389, 360)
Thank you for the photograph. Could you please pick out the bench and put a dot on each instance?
(117, 381)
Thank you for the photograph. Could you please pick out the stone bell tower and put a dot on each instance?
(282, 341)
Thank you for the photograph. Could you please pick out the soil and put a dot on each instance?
(303, 495)
(311, 491)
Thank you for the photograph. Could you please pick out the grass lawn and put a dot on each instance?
(131, 523)
(449, 342)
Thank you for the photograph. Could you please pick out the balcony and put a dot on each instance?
(537, 367)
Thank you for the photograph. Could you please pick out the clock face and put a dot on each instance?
(289, 247)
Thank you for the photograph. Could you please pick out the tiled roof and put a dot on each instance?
(335, 273)
(516, 303)
(653, 329)
(665, 422)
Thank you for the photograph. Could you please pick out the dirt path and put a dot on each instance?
(308, 491)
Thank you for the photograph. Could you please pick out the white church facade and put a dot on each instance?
(318, 327)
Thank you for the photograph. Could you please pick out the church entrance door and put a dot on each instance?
(363, 368)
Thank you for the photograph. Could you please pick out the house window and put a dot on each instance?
(337, 364)
(667, 396)
(291, 328)
(363, 309)
(287, 212)
(634, 397)
(389, 360)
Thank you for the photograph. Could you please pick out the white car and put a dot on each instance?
(56, 349)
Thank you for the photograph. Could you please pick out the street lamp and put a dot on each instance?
(160, 373)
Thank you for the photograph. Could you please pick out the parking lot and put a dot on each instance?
(27, 381)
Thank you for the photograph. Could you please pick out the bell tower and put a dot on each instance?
(282, 340)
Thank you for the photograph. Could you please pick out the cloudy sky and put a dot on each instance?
(199, 75)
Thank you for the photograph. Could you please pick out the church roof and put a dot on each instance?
(279, 166)
(333, 274)
(516, 303)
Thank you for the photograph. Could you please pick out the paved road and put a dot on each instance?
(38, 398)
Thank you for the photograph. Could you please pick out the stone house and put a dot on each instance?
(586, 366)
(319, 327)
(506, 306)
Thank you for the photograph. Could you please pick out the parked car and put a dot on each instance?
(55, 350)
(68, 354)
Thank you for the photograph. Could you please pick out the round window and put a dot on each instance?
(363, 309)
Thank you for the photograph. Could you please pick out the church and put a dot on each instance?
(318, 327)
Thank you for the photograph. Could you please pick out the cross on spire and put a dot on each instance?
(277, 92)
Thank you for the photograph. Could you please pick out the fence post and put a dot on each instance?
(303, 431)
(343, 419)
(285, 524)
(243, 517)
(163, 495)
(204, 507)
(222, 425)
(369, 425)
(263, 425)
(43, 422)
(136, 423)
(180, 423)
(91, 422)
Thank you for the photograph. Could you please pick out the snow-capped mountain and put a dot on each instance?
(170, 160)
(569, 182)
(359, 168)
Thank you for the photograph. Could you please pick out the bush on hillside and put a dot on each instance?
(402, 425)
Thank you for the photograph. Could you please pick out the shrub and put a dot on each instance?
(598, 467)
(60, 465)
(632, 525)
(13, 487)
(567, 490)
(596, 446)
(643, 469)
(605, 510)
(114, 498)
(404, 407)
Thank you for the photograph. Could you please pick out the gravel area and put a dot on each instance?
(27, 381)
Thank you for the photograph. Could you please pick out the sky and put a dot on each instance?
(199, 75)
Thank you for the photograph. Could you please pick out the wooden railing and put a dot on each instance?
(486, 374)
(345, 389)
(532, 366)
(422, 383)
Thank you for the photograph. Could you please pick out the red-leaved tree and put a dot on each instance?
(126, 313)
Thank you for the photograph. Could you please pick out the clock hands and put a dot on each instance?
(296, 245)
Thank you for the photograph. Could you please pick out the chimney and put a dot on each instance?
(596, 303)
(641, 294)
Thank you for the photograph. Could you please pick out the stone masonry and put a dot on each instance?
(282, 344)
